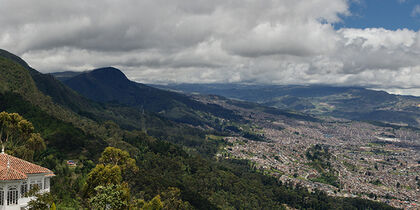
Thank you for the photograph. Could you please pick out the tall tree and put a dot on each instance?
(113, 164)
(102, 175)
(116, 157)
(111, 197)
(17, 134)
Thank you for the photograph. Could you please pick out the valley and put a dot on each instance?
(344, 158)
(364, 160)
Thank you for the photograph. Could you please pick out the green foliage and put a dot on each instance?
(17, 134)
(14, 128)
(16, 79)
(104, 186)
(328, 178)
(154, 204)
(60, 135)
(12, 77)
(318, 152)
(350, 166)
(115, 156)
(111, 85)
(319, 156)
(252, 136)
(376, 182)
(35, 142)
(42, 201)
(102, 175)
(83, 117)
(110, 197)
(171, 199)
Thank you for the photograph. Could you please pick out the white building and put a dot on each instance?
(17, 177)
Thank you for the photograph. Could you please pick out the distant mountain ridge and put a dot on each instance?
(355, 103)
(65, 75)
(110, 85)
(101, 85)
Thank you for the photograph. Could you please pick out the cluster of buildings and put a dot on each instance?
(378, 163)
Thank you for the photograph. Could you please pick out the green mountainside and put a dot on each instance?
(169, 156)
(112, 86)
(352, 103)
(44, 89)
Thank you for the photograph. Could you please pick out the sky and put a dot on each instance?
(367, 43)
(388, 14)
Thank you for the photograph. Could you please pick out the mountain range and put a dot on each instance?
(354, 103)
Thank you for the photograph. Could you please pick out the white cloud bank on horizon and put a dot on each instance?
(199, 41)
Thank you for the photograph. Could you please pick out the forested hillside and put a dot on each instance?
(110, 85)
(160, 163)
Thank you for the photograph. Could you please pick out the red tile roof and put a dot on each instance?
(11, 174)
(19, 166)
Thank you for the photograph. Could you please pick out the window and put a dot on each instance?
(1, 197)
(23, 189)
(46, 183)
(37, 183)
(12, 196)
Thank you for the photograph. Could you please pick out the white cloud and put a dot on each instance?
(259, 41)
(304, 39)
(416, 11)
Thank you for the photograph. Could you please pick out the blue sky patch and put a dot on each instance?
(388, 14)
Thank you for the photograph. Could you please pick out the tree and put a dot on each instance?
(171, 199)
(14, 128)
(112, 163)
(115, 156)
(18, 135)
(111, 197)
(42, 201)
(168, 200)
(35, 142)
(154, 204)
(101, 175)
